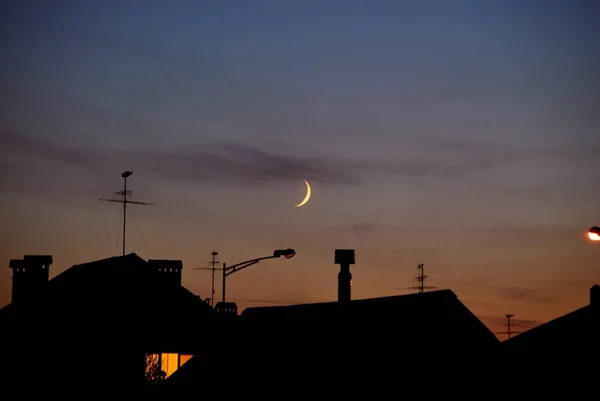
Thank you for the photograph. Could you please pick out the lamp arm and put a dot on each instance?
(242, 265)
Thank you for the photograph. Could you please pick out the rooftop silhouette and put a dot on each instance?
(97, 319)
(574, 334)
(113, 314)
(308, 343)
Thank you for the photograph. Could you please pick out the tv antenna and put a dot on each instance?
(508, 326)
(213, 269)
(420, 279)
(123, 193)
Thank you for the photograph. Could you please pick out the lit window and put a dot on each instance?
(184, 358)
(169, 363)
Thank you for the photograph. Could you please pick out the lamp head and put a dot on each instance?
(594, 233)
(286, 253)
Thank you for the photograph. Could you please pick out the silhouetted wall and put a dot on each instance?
(80, 367)
(284, 359)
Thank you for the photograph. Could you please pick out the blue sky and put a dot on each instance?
(463, 135)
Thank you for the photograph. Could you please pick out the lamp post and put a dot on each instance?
(594, 233)
(227, 270)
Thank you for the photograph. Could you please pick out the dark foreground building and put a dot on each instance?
(575, 333)
(564, 351)
(85, 332)
(380, 344)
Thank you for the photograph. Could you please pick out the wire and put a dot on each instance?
(116, 236)
(259, 301)
(102, 245)
(140, 232)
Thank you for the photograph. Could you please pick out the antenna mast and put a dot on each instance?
(213, 262)
(508, 331)
(124, 192)
(213, 269)
(421, 279)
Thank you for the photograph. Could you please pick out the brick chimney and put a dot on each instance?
(30, 275)
(344, 258)
(171, 269)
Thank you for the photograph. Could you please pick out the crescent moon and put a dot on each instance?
(307, 197)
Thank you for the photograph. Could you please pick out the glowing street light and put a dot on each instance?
(594, 233)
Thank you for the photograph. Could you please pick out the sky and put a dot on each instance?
(464, 135)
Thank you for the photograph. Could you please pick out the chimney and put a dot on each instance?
(344, 258)
(595, 296)
(30, 275)
(170, 269)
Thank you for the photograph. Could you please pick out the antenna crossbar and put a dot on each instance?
(508, 331)
(421, 279)
(124, 193)
(213, 269)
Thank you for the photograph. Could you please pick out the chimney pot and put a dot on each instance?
(345, 258)
(595, 296)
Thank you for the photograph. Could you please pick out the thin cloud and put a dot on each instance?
(223, 162)
(523, 294)
(20, 146)
(462, 158)
(33, 166)
(242, 164)
(239, 163)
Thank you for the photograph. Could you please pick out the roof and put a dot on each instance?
(411, 304)
(575, 333)
(565, 348)
(370, 305)
(31, 259)
(125, 291)
(575, 330)
(420, 315)
(331, 336)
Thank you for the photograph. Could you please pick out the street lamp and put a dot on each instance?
(227, 270)
(594, 233)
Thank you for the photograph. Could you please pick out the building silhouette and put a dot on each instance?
(320, 346)
(88, 329)
(86, 333)
(571, 335)
(341, 348)
(561, 354)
